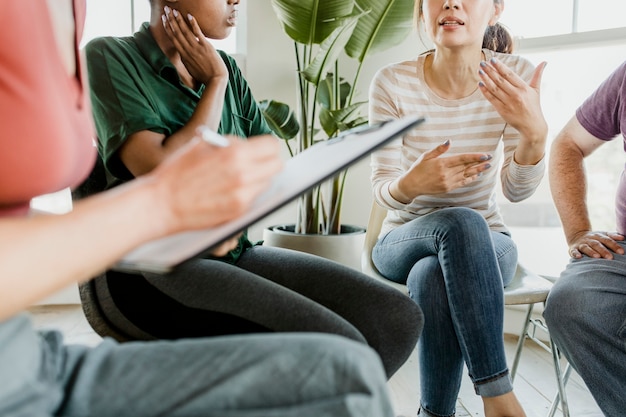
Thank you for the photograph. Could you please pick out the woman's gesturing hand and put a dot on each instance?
(434, 174)
(515, 100)
(197, 53)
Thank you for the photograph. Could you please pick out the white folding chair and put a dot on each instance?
(527, 288)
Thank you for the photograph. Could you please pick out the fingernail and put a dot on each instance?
(175, 13)
(446, 143)
(485, 157)
(481, 72)
(481, 84)
(494, 60)
(167, 10)
(189, 16)
(487, 166)
(483, 64)
(164, 19)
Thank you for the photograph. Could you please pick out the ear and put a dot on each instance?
(498, 8)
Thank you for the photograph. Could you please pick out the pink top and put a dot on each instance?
(46, 132)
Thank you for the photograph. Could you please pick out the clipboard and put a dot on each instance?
(300, 173)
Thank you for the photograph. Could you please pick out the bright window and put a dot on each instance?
(537, 18)
(600, 14)
(577, 64)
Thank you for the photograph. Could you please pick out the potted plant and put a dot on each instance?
(326, 34)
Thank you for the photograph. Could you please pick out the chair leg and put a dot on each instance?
(561, 379)
(520, 342)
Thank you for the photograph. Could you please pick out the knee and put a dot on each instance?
(462, 218)
(357, 362)
(426, 284)
(563, 308)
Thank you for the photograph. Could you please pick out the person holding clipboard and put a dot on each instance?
(46, 144)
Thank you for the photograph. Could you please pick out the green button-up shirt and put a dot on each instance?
(135, 87)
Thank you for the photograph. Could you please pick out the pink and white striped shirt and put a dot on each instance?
(471, 124)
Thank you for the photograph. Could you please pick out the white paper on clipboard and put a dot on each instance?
(300, 173)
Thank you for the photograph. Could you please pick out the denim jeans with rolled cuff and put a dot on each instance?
(455, 269)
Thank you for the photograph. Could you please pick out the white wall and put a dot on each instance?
(271, 72)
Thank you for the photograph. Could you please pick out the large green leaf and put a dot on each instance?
(334, 121)
(386, 25)
(280, 118)
(330, 50)
(311, 21)
(326, 92)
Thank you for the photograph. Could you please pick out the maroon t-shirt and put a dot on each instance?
(603, 115)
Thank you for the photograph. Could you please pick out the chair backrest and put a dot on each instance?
(374, 224)
(96, 182)
(93, 311)
(525, 288)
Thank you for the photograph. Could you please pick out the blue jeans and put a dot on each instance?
(455, 268)
(586, 315)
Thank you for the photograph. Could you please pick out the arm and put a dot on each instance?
(519, 182)
(568, 185)
(519, 105)
(201, 186)
(144, 150)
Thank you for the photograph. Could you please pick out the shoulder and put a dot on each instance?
(235, 76)
(230, 61)
(105, 46)
(398, 70)
(618, 77)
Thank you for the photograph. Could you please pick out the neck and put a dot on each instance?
(168, 48)
(453, 74)
(161, 38)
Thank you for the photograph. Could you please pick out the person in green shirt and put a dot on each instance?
(150, 94)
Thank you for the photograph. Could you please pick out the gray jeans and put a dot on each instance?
(268, 290)
(586, 315)
(255, 375)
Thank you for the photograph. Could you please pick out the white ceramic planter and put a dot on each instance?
(344, 248)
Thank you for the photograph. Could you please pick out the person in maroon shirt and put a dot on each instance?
(586, 308)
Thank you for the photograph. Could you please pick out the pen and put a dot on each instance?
(212, 137)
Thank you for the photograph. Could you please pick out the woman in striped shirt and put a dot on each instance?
(443, 235)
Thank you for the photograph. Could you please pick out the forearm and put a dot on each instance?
(398, 193)
(520, 182)
(532, 145)
(145, 150)
(44, 253)
(568, 185)
(208, 113)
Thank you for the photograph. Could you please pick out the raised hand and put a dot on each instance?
(434, 174)
(515, 100)
(197, 53)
